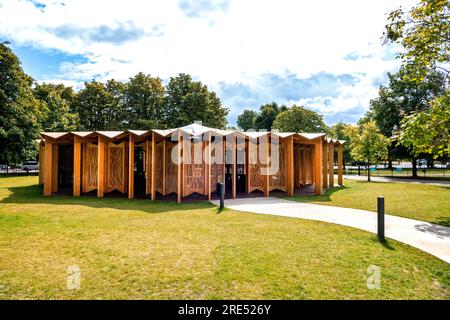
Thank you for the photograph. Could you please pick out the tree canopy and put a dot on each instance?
(299, 119)
(246, 120)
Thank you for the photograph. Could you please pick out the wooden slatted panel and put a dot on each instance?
(171, 170)
(194, 168)
(115, 179)
(159, 167)
(278, 180)
(255, 167)
(90, 167)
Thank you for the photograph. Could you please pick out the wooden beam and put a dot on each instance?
(290, 166)
(131, 167)
(179, 177)
(325, 164)
(41, 163)
(153, 179)
(48, 169)
(101, 167)
(331, 165)
(267, 177)
(55, 163)
(340, 164)
(76, 166)
(318, 167)
(234, 178)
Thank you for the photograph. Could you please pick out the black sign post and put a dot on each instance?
(380, 209)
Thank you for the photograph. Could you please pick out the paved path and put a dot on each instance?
(425, 236)
(402, 180)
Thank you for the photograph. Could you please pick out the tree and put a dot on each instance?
(368, 144)
(55, 103)
(143, 98)
(19, 126)
(267, 115)
(339, 131)
(188, 101)
(246, 120)
(299, 119)
(99, 106)
(423, 32)
(429, 131)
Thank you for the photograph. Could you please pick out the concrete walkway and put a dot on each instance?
(425, 236)
(442, 183)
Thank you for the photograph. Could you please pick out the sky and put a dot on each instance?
(325, 55)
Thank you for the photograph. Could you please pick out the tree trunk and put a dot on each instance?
(389, 164)
(414, 167)
(368, 171)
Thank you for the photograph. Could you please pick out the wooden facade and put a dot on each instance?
(188, 161)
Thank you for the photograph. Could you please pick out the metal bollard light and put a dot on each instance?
(380, 220)
(221, 191)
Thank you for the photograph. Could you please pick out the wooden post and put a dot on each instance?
(303, 165)
(164, 167)
(41, 163)
(311, 163)
(76, 166)
(325, 164)
(101, 167)
(340, 164)
(179, 177)
(318, 167)
(148, 167)
(331, 165)
(234, 155)
(131, 167)
(55, 163)
(48, 169)
(267, 177)
(153, 187)
(290, 166)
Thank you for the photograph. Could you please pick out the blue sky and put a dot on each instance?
(327, 55)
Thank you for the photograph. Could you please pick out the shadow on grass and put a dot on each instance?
(33, 194)
(313, 198)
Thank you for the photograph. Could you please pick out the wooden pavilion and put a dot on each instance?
(187, 161)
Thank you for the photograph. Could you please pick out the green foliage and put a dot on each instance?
(143, 102)
(424, 34)
(188, 101)
(299, 119)
(367, 143)
(55, 104)
(246, 120)
(339, 131)
(428, 131)
(267, 115)
(19, 125)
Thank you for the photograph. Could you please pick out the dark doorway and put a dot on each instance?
(65, 167)
(139, 173)
(240, 178)
(228, 179)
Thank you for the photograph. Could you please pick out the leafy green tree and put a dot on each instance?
(55, 101)
(19, 112)
(429, 131)
(188, 101)
(267, 115)
(368, 144)
(143, 99)
(423, 32)
(339, 131)
(299, 119)
(246, 120)
(99, 106)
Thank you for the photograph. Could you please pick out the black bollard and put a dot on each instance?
(380, 209)
(221, 191)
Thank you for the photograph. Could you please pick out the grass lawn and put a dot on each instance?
(422, 202)
(132, 249)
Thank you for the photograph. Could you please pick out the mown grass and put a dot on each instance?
(422, 202)
(136, 249)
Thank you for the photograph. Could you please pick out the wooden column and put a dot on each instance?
(164, 166)
(267, 177)
(311, 163)
(148, 167)
(331, 165)
(76, 166)
(179, 176)
(234, 154)
(208, 166)
(153, 180)
(318, 167)
(325, 164)
(303, 165)
(131, 167)
(48, 169)
(101, 167)
(340, 164)
(290, 165)
(55, 168)
(41, 163)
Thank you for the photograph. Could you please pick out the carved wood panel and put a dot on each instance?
(171, 170)
(148, 166)
(115, 167)
(90, 167)
(255, 167)
(217, 170)
(159, 167)
(278, 180)
(308, 164)
(194, 168)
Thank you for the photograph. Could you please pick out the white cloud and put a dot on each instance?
(238, 42)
